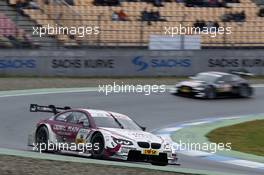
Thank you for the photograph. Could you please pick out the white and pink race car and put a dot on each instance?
(98, 134)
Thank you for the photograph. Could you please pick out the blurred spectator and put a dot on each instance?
(216, 25)
(145, 15)
(232, 1)
(70, 2)
(202, 25)
(151, 16)
(106, 2)
(236, 17)
(155, 16)
(54, 1)
(119, 16)
(194, 3)
(99, 2)
(122, 16)
(113, 2)
(25, 4)
(20, 4)
(115, 16)
(46, 2)
(204, 3)
(157, 3)
(227, 17)
(213, 3)
(33, 5)
(211, 26)
(261, 12)
(242, 16)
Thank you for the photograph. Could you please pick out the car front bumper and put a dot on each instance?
(193, 92)
(136, 154)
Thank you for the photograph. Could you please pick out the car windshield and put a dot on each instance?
(206, 77)
(128, 124)
(111, 122)
(106, 122)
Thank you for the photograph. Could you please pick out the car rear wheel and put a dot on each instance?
(42, 137)
(98, 151)
(210, 93)
(245, 91)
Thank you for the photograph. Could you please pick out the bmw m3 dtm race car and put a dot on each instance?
(111, 136)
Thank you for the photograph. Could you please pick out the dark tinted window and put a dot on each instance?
(128, 124)
(63, 117)
(225, 78)
(236, 78)
(206, 77)
(110, 122)
(106, 122)
(77, 118)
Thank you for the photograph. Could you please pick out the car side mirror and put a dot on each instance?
(143, 128)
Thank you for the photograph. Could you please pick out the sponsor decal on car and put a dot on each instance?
(150, 152)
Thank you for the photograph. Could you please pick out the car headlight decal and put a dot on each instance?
(122, 141)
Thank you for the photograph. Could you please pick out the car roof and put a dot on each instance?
(216, 73)
(102, 113)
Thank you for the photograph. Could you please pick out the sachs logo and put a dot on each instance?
(159, 63)
(140, 63)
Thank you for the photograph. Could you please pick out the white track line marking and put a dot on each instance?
(245, 163)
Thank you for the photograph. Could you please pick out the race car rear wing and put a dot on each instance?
(51, 108)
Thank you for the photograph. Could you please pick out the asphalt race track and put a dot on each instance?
(153, 111)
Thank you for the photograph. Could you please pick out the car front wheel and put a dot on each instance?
(98, 146)
(210, 93)
(245, 91)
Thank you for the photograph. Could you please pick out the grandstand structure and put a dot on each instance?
(135, 32)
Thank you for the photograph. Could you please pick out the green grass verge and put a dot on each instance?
(247, 137)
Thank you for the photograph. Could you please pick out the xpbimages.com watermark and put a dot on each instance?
(79, 31)
(189, 30)
(205, 146)
(51, 147)
(129, 88)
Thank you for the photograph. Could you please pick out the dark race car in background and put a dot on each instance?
(211, 85)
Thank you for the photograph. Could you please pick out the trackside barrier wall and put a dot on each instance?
(126, 62)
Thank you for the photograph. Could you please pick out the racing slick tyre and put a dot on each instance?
(42, 137)
(99, 140)
(210, 93)
(245, 91)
